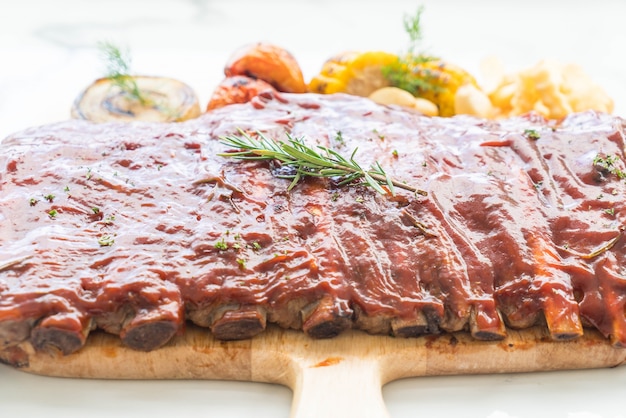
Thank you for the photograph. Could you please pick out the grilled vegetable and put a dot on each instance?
(423, 76)
(269, 63)
(396, 96)
(121, 96)
(162, 100)
(357, 73)
(441, 80)
(363, 73)
(237, 89)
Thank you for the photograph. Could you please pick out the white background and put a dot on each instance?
(48, 55)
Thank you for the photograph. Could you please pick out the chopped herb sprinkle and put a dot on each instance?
(221, 245)
(609, 163)
(532, 134)
(339, 138)
(106, 240)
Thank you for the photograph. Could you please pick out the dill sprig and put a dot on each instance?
(118, 71)
(307, 161)
(405, 72)
(413, 28)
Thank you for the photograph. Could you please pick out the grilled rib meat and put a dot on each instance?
(135, 228)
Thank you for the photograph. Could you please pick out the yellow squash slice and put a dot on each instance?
(356, 73)
(363, 73)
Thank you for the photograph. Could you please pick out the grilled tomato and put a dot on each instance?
(270, 63)
(237, 89)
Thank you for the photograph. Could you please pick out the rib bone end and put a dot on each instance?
(326, 319)
(239, 324)
(149, 336)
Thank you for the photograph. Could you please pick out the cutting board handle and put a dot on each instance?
(339, 388)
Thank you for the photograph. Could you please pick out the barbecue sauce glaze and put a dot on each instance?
(115, 226)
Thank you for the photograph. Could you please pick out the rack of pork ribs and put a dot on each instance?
(138, 228)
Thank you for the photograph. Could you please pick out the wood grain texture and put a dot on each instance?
(338, 377)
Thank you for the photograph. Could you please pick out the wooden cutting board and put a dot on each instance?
(340, 377)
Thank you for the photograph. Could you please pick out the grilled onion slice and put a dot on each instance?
(162, 100)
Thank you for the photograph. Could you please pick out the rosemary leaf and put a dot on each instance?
(373, 183)
(349, 179)
(295, 180)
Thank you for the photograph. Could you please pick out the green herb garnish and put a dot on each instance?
(118, 71)
(339, 138)
(609, 163)
(532, 134)
(106, 240)
(405, 72)
(53, 213)
(242, 263)
(307, 161)
(221, 245)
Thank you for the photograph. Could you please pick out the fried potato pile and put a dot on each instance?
(549, 88)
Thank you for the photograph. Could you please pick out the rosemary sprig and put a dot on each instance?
(118, 71)
(307, 161)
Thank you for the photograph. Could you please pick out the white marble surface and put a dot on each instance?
(48, 55)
